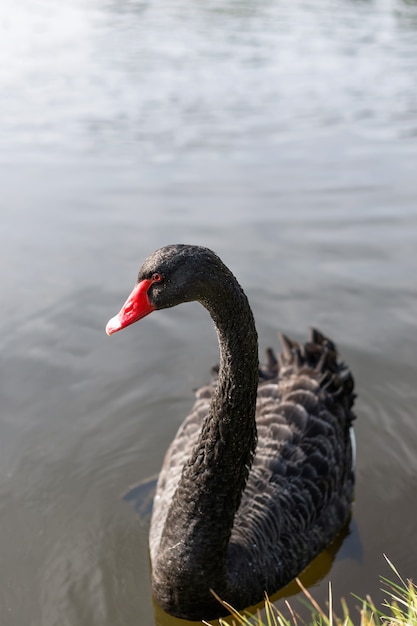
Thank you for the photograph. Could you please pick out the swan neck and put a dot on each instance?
(200, 519)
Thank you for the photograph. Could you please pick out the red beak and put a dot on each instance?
(136, 306)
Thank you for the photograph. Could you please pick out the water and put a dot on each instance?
(282, 135)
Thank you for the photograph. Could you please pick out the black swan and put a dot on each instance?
(259, 478)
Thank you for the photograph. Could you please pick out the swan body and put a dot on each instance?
(259, 478)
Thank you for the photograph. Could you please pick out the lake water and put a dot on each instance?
(281, 134)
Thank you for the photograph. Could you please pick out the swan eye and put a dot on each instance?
(156, 278)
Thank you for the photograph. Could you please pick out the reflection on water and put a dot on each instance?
(172, 79)
(282, 135)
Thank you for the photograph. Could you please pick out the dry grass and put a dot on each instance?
(398, 609)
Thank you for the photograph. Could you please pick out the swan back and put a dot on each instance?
(300, 487)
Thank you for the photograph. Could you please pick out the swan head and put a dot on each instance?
(171, 275)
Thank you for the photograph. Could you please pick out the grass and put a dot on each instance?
(398, 609)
